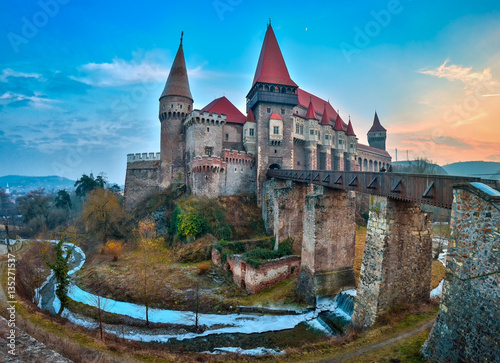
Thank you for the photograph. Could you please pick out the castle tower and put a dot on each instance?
(377, 134)
(271, 99)
(340, 144)
(176, 103)
(352, 148)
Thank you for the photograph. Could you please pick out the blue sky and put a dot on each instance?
(80, 80)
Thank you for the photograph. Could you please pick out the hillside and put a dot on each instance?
(481, 169)
(413, 166)
(19, 184)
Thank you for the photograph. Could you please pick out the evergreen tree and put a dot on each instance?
(61, 270)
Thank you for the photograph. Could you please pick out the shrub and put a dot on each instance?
(204, 267)
(114, 248)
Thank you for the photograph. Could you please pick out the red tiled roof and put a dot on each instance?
(311, 114)
(376, 127)
(177, 81)
(373, 150)
(325, 120)
(338, 124)
(276, 116)
(350, 130)
(250, 116)
(223, 105)
(271, 67)
(318, 103)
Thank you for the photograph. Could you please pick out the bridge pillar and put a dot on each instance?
(327, 257)
(396, 266)
(467, 328)
(283, 209)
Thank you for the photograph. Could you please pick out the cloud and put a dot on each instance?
(463, 74)
(119, 72)
(37, 101)
(6, 73)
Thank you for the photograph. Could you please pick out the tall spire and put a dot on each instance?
(376, 127)
(177, 82)
(338, 124)
(271, 67)
(350, 130)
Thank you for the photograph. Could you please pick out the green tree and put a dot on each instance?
(63, 200)
(61, 270)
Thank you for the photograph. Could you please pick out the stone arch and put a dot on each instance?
(371, 165)
(274, 166)
(375, 166)
(365, 165)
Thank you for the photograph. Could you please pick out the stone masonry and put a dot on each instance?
(467, 328)
(396, 266)
(329, 233)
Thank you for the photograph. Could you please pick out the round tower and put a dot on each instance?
(176, 103)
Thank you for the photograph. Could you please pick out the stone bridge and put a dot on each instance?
(317, 209)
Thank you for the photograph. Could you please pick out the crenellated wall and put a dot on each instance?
(142, 177)
(396, 266)
(467, 328)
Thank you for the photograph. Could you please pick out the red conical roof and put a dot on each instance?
(177, 82)
(223, 106)
(338, 124)
(311, 113)
(275, 116)
(350, 131)
(250, 116)
(376, 127)
(325, 119)
(271, 67)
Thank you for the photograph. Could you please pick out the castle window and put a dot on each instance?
(275, 151)
(297, 128)
(301, 129)
(269, 110)
(227, 136)
(326, 137)
(251, 131)
(208, 151)
(189, 107)
(282, 111)
(311, 132)
(180, 107)
(172, 106)
(208, 129)
(276, 130)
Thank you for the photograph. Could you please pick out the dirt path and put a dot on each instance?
(362, 351)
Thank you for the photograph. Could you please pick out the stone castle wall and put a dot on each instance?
(467, 328)
(142, 177)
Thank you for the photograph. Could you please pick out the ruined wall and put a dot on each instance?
(467, 327)
(142, 177)
(396, 266)
(267, 274)
(327, 245)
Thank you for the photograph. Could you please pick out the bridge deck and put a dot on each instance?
(436, 190)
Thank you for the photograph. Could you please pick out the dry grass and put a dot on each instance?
(437, 274)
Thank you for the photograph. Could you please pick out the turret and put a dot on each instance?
(377, 134)
(176, 103)
(250, 133)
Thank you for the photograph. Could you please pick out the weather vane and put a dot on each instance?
(182, 34)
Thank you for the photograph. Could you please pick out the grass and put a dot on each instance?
(437, 274)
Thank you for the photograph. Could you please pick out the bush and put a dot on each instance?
(114, 248)
(204, 267)
(255, 257)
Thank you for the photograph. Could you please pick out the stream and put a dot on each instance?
(253, 334)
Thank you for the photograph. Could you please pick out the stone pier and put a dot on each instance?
(467, 328)
(327, 257)
(396, 266)
(284, 209)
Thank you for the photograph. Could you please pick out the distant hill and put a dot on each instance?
(412, 165)
(480, 169)
(19, 184)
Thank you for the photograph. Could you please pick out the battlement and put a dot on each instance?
(132, 158)
(238, 157)
(198, 117)
(205, 163)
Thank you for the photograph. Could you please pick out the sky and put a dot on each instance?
(80, 80)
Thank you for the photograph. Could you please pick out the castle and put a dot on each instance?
(219, 151)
